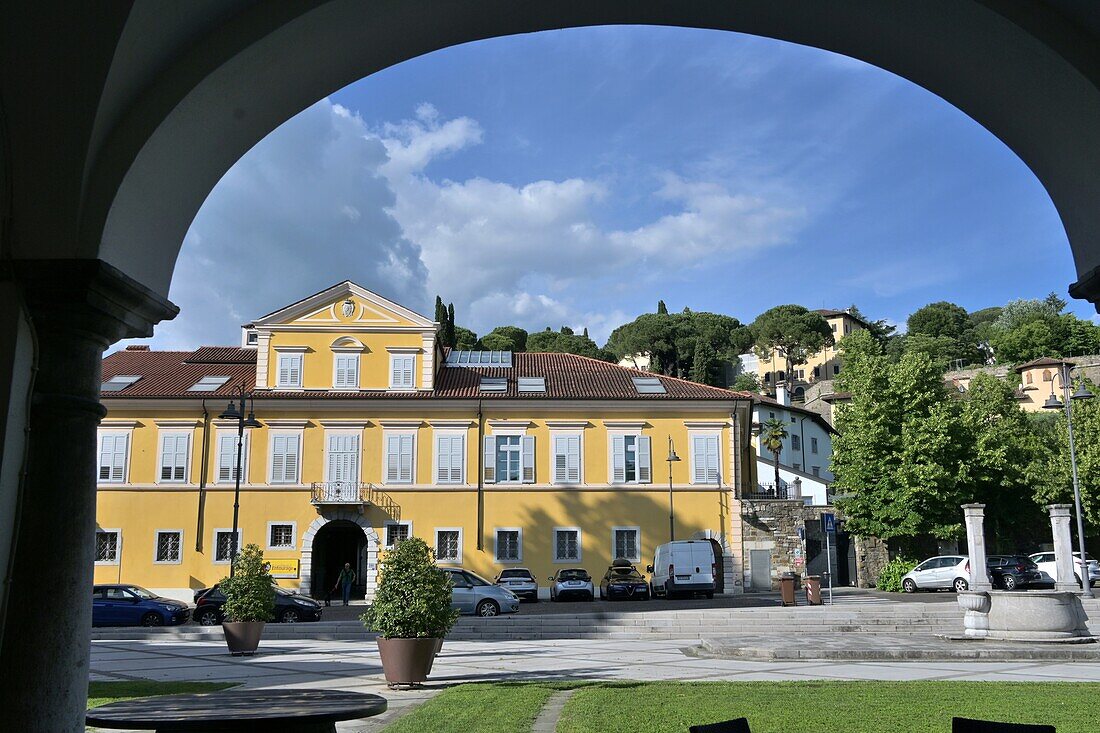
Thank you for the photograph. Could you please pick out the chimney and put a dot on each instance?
(782, 396)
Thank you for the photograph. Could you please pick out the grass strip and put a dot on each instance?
(506, 707)
(101, 693)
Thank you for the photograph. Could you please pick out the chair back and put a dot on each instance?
(966, 725)
(738, 725)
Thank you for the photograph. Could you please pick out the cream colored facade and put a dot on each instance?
(821, 365)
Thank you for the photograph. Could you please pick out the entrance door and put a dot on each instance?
(761, 563)
(336, 543)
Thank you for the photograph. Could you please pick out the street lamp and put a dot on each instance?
(232, 413)
(672, 458)
(1053, 403)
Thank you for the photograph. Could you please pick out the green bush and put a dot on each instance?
(890, 577)
(250, 593)
(413, 599)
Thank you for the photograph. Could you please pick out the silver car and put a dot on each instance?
(521, 582)
(571, 583)
(935, 573)
(473, 594)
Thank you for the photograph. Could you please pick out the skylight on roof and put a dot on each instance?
(208, 384)
(493, 384)
(119, 383)
(648, 385)
(531, 384)
(480, 358)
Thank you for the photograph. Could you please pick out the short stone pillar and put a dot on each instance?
(1063, 547)
(975, 541)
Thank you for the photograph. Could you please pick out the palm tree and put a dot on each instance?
(772, 434)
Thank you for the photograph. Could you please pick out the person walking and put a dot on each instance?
(345, 581)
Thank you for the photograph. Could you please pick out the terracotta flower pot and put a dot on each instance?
(407, 661)
(242, 637)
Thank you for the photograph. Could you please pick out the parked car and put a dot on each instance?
(521, 582)
(1045, 563)
(622, 580)
(939, 573)
(472, 593)
(131, 605)
(1012, 571)
(571, 583)
(289, 607)
(683, 566)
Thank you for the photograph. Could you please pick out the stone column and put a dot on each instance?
(1063, 547)
(975, 542)
(78, 308)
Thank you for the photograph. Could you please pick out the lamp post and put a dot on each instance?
(1053, 403)
(233, 413)
(672, 458)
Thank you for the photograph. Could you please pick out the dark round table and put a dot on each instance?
(239, 711)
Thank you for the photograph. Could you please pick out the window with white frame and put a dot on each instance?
(399, 458)
(509, 544)
(107, 543)
(567, 458)
(173, 457)
(402, 371)
(397, 532)
(626, 543)
(345, 371)
(113, 448)
(169, 547)
(509, 459)
(227, 458)
(343, 457)
(223, 545)
(450, 458)
(280, 535)
(285, 457)
(448, 544)
(289, 373)
(630, 459)
(567, 544)
(705, 463)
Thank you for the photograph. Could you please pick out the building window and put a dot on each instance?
(847, 328)
(1047, 376)
(796, 442)
(510, 459)
(798, 466)
(813, 446)
(402, 371)
(227, 458)
(223, 545)
(1029, 378)
(626, 543)
(173, 457)
(630, 459)
(346, 371)
(816, 470)
(567, 459)
(450, 459)
(112, 457)
(107, 546)
(285, 458)
(832, 327)
(767, 377)
(567, 544)
(290, 370)
(169, 547)
(509, 545)
(397, 532)
(399, 458)
(448, 544)
(836, 369)
(343, 458)
(704, 459)
(280, 535)
(817, 372)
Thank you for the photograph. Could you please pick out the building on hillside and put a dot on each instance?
(370, 432)
(1035, 380)
(824, 364)
(804, 462)
(637, 361)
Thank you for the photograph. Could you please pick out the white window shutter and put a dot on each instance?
(645, 470)
(489, 461)
(458, 456)
(712, 459)
(561, 459)
(618, 459)
(528, 459)
(278, 458)
(406, 449)
(165, 458)
(284, 370)
(333, 458)
(293, 458)
(573, 460)
(698, 459)
(393, 458)
(296, 370)
(227, 449)
(442, 459)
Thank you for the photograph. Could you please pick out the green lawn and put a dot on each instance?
(771, 707)
(101, 693)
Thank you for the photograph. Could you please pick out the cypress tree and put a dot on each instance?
(662, 309)
(452, 337)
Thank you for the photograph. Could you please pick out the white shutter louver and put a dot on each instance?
(489, 459)
(645, 471)
(112, 457)
(173, 457)
(284, 459)
(567, 459)
(528, 459)
(698, 455)
(712, 459)
(405, 475)
(618, 459)
(227, 458)
(393, 454)
(449, 454)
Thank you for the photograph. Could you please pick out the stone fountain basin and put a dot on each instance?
(1036, 615)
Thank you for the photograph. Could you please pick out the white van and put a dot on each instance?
(684, 566)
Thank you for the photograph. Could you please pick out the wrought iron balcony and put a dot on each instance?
(771, 491)
(342, 492)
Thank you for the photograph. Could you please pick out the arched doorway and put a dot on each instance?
(337, 543)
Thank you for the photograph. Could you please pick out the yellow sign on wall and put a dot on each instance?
(283, 568)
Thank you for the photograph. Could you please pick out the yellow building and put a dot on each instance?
(824, 364)
(370, 432)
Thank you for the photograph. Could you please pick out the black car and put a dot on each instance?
(1012, 571)
(289, 607)
(622, 580)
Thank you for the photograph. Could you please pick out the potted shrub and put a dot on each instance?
(249, 601)
(411, 612)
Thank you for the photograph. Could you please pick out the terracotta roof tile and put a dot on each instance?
(171, 373)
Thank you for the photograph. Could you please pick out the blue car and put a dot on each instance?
(132, 605)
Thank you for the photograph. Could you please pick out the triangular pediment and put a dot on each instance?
(346, 305)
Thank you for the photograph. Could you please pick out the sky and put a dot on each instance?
(576, 177)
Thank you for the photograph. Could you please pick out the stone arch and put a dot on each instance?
(305, 572)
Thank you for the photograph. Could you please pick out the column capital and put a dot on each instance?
(1060, 510)
(973, 508)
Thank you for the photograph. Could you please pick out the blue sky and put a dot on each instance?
(575, 177)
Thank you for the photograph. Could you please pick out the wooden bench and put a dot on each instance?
(239, 711)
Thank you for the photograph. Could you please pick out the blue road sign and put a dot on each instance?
(828, 522)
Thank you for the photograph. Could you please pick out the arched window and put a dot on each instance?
(1046, 375)
(1028, 378)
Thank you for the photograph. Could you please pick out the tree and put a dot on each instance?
(746, 382)
(451, 334)
(1056, 484)
(505, 338)
(567, 343)
(792, 333)
(772, 434)
(465, 339)
(671, 341)
(662, 309)
(881, 330)
(942, 331)
(705, 368)
(440, 312)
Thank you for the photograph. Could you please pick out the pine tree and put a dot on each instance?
(662, 309)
